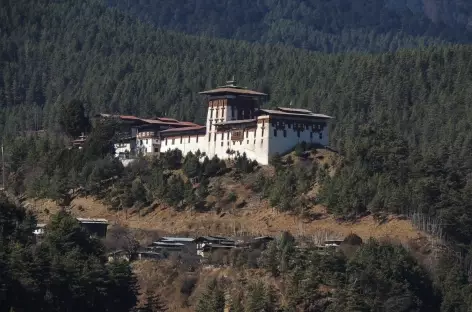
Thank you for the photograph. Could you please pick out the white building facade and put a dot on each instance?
(236, 124)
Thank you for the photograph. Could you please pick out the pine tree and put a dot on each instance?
(212, 300)
(153, 303)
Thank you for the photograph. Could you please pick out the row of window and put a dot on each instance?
(241, 142)
(298, 134)
(301, 126)
(181, 140)
(217, 110)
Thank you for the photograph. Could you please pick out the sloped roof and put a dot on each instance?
(85, 220)
(192, 128)
(279, 112)
(154, 121)
(232, 122)
(295, 110)
(232, 90)
(177, 239)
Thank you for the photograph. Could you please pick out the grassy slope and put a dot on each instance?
(255, 218)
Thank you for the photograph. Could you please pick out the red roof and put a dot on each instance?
(188, 123)
(167, 119)
(183, 129)
(158, 120)
(129, 117)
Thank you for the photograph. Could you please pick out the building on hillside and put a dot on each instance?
(96, 227)
(79, 141)
(235, 123)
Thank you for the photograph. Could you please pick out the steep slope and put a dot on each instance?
(328, 26)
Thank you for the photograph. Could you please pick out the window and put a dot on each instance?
(298, 133)
(211, 112)
(189, 138)
(285, 133)
(321, 135)
(197, 138)
(181, 137)
(173, 141)
(221, 143)
(227, 137)
(209, 137)
(210, 124)
(214, 139)
(166, 141)
(311, 135)
(217, 111)
(156, 150)
(247, 134)
(275, 132)
(222, 136)
(262, 141)
(289, 125)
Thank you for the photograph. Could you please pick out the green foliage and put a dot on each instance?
(330, 26)
(243, 164)
(153, 303)
(212, 300)
(66, 271)
(389, 279)
(72, 118)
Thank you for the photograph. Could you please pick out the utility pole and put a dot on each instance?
(3, 170)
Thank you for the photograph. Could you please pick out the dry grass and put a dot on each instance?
(262, 220)
(255, 218)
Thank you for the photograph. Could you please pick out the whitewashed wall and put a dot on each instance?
(184, 143)
(147, 145)
(123, 148)
(280, 144)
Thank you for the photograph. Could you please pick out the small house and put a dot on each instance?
(96, 227)
(213, 240)
(207, 250)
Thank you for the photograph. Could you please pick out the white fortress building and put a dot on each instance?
(235, 123)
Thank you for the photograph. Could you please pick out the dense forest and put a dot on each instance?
(327, 26)
(402, 120)
(402, 128)
(67, 271)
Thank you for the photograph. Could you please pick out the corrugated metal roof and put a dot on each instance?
(85, 220)
(163, 244)
(177, 239)
(210, 246)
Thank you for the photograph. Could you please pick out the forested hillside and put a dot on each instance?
(328, 26)
(402, 120)
(402, 127)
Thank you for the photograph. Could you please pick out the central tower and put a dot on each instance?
(231, 102)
